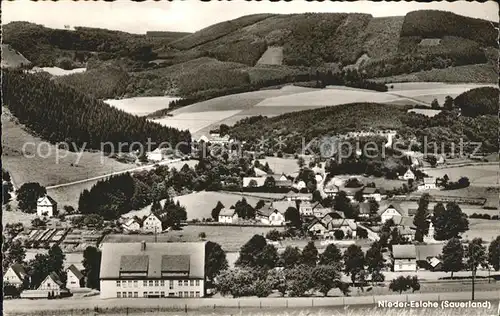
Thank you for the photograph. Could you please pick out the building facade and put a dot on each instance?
(152, 224)
(138, 270)
(46, 206)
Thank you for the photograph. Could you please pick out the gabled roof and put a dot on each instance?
(46, 199)
(18, 270)
(305, 204)
(266, 210)
(314, 222)
(391, 204)
(412, 211)
(404, 221)
(404, 252)
(78, 274)
(112, 254)
(175, 263)
(130, 221)
(153, 215)
(259, 172)
(282, 206)
(405, 231)
(55, 278)
(227, 212)
(340, 222)
(283, 183)
(434, 262)
(277, 177)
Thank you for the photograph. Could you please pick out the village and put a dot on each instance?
(345, 211)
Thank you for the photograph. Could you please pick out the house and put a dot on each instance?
(46, 206)
(270, 216)
(259, 172)
(406, 232)
(15, 275)
(294, 196)
(140, 269)
(228, 215)
(428, 184)
(372, 193)
(131, 225)
(331, 216)
(75, 277)
(317, 228)
(364, 210)
(152, 224)
(52, 284)
(215, 138)
(351, 192)
(440, 159)
(428, 256)
(389, 210)
(158, 154)
(306, 208)
(253, 181)
(331, 189)
(300, 185)
(347, 225)
(409, 175)
(405, 258)
(282, 181)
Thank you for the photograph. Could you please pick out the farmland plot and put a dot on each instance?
(142, 105)
(483, 175)
(196, 120)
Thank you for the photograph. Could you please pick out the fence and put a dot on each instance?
(212, 305)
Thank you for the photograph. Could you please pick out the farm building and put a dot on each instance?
(46, 206)
(158, 154)
(317, 228)
(51, 286)
(372, 193)
(294, 196)
(389, 210)
(428, 256)
(228, 215)
(249, 182)
(75, 277)
(347, 225)
(320, 211)
(405, 258)
(15, 275)
(306, 208)
(131, 225)
(270, 216)
(152, 224)
(409, 175)
(428, 184)
(132, 270)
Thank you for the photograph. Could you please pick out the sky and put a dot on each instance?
(193, 15)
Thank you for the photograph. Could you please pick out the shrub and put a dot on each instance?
(262, 288)
(273, 235)
(339, 234)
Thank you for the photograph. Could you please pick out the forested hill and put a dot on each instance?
(61, 114)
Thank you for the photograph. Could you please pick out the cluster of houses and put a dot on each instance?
(51, 286)
(408, 258)
(280, 180)
(151, 224)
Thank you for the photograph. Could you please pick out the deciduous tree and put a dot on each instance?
(494, 253)
(453, 254)
(354, 261)
(290, 257)
(325, 277)
(27, 196)
(421, 219)
(449, 222)
(331, 256)
(309, 254)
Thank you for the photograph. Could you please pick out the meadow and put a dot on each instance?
(272, 56)
(482, 175)
(486, 229)
(56, 71)
(141, 105)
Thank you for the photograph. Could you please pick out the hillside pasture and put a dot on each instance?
(12, 58)
(43, 162)
(56, 71)
(486, 229)
(196, 120)
(141, 105)
(426, 112)
(231, 238)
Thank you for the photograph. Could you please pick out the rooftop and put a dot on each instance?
(153, 260)
(404, 252)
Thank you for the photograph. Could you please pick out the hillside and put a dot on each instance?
(479, 101)
(57, 113)
(12, 58)
(237, 54)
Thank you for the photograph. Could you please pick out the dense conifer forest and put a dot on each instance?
(59, 113)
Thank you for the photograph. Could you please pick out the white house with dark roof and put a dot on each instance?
(372, 193)
(15, 275)
(253, 181)
(46, 206)
(409, 175)
(131, 225)
(228, 215)
(269, 215)
(405, 258)
(306, 208)
(75, 277)
(389, 210)
(138, 270)
(52, 284)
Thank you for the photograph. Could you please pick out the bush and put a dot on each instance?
(273, 235)
(339, 234)
(262, 288)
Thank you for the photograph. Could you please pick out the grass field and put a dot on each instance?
(426, 112)
(482, 228)
(141, 105)
(281, 165)
(11, 58)
(484, 175)
(56, 71)
(196, 120)
(50, 170)
(231, 238)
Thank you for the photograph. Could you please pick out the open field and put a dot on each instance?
(196, 120)
(231, 238)
(483, 175)
(56, 71)
(426, 112)
(12, 58)
(272, 56)
(281, 165)
(43, 162)
(141, 105)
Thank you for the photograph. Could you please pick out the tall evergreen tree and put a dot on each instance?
(421, 219)
(453, 254)
(310, 254)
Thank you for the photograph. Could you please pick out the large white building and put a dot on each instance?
(152, 224)
(130, 270)
(46, 206)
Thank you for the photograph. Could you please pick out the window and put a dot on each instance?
(157, 282)
(136, 294)
(171, 284)
(118, 283)
(180, 294)
(186, 294)
(48, 284)
(162, 294)
(124, 294)
(197, 282)
(150, 282)
(162, 283)
(135, 284)
(129, 294)
(118, 294)
(144, 283)
(191, 294)
(180, 283)
(124, 284)
(197, 293)
(144, 294)
(171, 294)
(185, 282)
(191, 282)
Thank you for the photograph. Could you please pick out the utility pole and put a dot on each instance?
(155, 235)
(473, 271)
